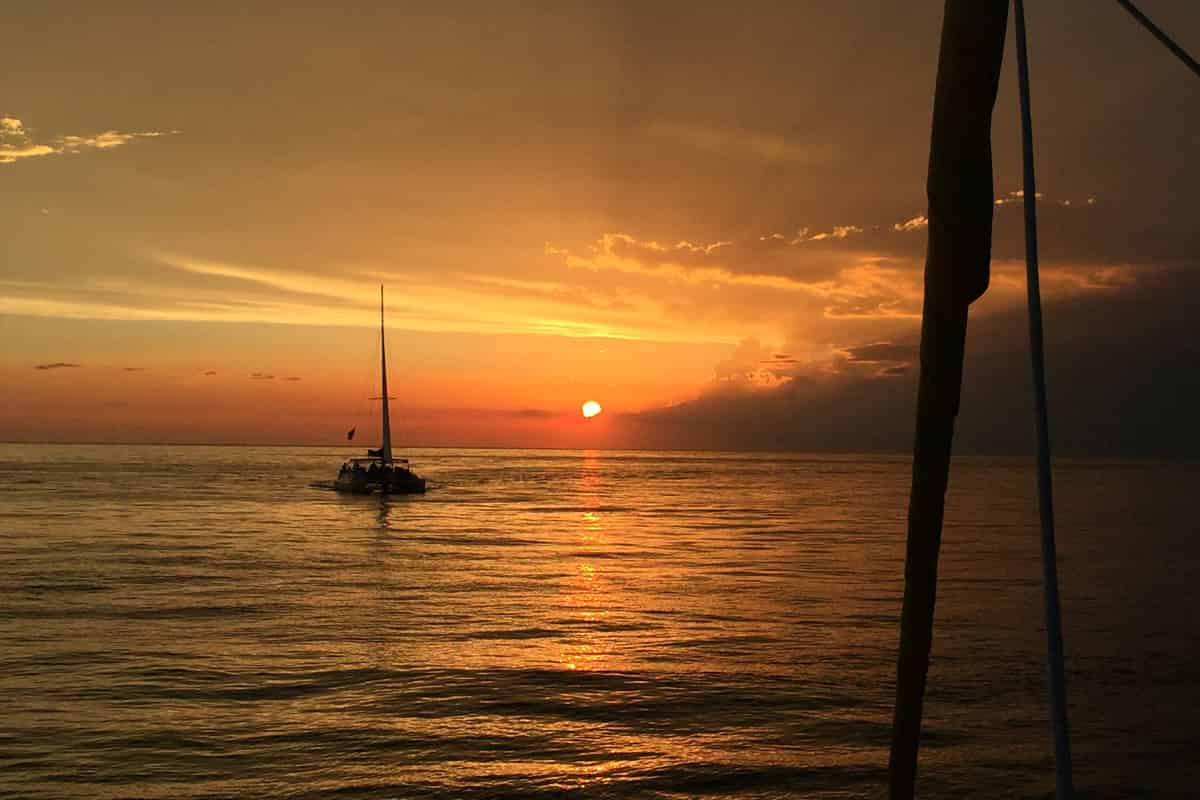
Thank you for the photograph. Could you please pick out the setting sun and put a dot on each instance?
(591, 408)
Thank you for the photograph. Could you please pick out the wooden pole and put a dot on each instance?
(956, 273)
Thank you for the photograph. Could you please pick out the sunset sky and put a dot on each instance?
(707, 219)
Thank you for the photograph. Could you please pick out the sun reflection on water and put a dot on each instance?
(588, 592)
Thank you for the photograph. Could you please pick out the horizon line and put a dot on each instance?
(1177, 458)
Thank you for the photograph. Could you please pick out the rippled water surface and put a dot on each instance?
(206, 622)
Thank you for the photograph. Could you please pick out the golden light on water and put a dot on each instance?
(591, 408)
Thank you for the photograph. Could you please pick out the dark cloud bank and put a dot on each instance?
(1123, 375)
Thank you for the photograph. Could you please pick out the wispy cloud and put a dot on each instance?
(838, 232)
(1019, 197)
(805, 235)
(17, 142)
(683, 252)
(1068, 279)
(474, 304)
(696, 264)
(866, 286)
(1015, 197)
(876, 352)
(883, 359)
(916, 223)
(58, 365)
(261, 376)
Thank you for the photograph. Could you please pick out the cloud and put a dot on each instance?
(1078, 230)
(449, 303)
(804, 235)
(9, 153)
(754, 366)
(1017, 197)
(291, 378)
(838, 232)
(682, 253)
(866, 286)
(548, 291)
(1114, 390)
(17, 143)
(877, 360)
(105, 141)
(259, 376)
(58, 365)
(133, 369)
(692, 264)
(1072, 231)
(210, 372)
(865, 272)
(919, 222)
(881, 351)
(806, 413)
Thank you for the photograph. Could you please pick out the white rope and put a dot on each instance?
(1054, 646)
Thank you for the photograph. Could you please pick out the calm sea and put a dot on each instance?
(205, 622)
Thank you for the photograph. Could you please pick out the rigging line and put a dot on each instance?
(362, 409)
(1161, 35)
(1054, 645)
(369, 395)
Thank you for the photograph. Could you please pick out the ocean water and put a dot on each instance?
(192, 622)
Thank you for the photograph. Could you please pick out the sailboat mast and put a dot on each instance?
(385, 448)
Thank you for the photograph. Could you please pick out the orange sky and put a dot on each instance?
(644, 206)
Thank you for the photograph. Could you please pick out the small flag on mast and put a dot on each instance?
(350, 433)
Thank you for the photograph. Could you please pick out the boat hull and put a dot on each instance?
(362, 483)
